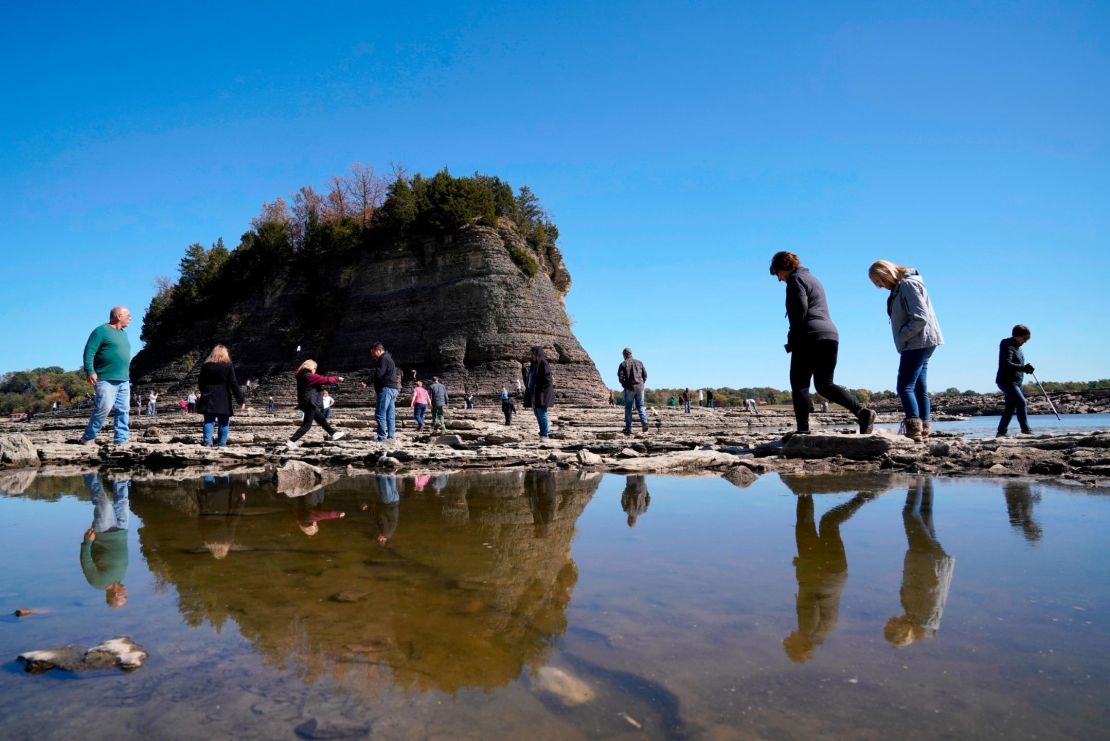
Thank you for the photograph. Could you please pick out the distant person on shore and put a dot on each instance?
(541, 388)
(1011, 374)
(386, 388)
(191, 401)
(812, 343)
(327, 401)
(437, 393)
(104, 547)
(54, 407)
(107, 362)
(926, 572)
(701, 398)
(183, 406)
(152, 404)
(310, 401)
(525, 374)
(271, 407)
(916, 336)
(632, 375)
(507, 406)
(635, 499)
(217, 386)
(685, 399)
(750, 406)
(421, 399)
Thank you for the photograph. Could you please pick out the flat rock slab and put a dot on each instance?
(854, 447)
(115, 653)
(687, 460)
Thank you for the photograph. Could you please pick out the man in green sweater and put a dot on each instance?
(107, 364)
(104, 547)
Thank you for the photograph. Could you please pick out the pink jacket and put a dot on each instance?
(420, 396)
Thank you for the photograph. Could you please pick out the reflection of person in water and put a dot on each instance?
(386, 508)
(822, 571)
(542, 499)
(926, 572)
(219, 509)
(635, 499)
(310, 512)
(104, 547)
(1019, 506)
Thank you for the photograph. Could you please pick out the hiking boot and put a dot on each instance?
(644, 426)
(866, 419)
(337, 435)
(912, 427)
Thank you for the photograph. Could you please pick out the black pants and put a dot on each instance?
(507, 409)
(816, 360)
(312, 414)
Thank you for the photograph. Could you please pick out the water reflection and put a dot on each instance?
(821, 566)
(471, 590)
(1020, 499)
(104, 546)
(635, 499)
(926, 571)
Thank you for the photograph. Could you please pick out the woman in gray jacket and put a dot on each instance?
(916, 336)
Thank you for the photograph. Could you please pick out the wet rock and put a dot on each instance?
(823, 445)
(940, 450)
(121, 653)
(348, 597)
(587, 458)
(313, 729)
(689, 460)
(565, 687)
(1001, 470)
(740, 476)
(297, 478)
(387, 461)
(17, 451)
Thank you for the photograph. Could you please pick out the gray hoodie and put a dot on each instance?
(911, 315)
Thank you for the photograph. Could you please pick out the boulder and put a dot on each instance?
(120, 653)
(588, 458)
(740, 476)
(453, 441)
(823, 445)
(297, 478)
(17, 451)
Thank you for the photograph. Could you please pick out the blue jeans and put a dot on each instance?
(686, 406)
(111, 397)
(418, 413)
(108, 513)
(631, 396)
(541, 417)
(1015, 404)
(387, 414)
(225, 423)
(910, 385)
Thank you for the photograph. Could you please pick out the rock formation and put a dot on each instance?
(463, 307)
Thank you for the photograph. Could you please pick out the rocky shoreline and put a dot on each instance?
(734, 443)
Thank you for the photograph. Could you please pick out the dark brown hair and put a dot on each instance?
(784, 261)
(1020, 330)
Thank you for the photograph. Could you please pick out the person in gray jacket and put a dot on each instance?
(632, 375)
(916, 336)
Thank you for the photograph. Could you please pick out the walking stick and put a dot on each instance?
(1050, 404)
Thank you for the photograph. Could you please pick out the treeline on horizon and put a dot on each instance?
(317, 234)
(36, 390)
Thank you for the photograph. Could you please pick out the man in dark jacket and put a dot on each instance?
(386, 388)
(632, 375)
(1011, 374)
(541, 389)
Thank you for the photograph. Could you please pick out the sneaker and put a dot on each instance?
(292, 444)
(866, 419)
(337, 435)
(81, 441)
(628, 431)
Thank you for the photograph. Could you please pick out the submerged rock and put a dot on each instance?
(567, 688)
(120, 652)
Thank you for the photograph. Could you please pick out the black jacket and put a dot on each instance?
(385, 373)
(808, 310)
(541, 383)
(631, 374)
(1011, 363)
(217, 386)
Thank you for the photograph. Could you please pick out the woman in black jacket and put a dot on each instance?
(541, 389)
(217, 386)
(813, 343)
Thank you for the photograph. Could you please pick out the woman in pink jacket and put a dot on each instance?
(420, 402)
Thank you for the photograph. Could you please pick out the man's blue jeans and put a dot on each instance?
(632, 396)
(210, 420)
(912, 391)
(111, 397)
(541, 417)
(387, 413)
(110, 513)
(1015, 404)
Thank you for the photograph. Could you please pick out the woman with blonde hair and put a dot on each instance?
(217, 385)
(311, 402)
(916, 336)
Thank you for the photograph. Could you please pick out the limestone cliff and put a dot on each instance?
(467, 307)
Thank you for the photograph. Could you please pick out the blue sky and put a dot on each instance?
(677, 146)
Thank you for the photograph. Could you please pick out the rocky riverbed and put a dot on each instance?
(736, 444)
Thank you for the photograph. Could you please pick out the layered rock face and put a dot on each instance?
(461, 308)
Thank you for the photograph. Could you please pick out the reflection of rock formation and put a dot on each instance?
(821, 568)
(447, 603)
(1019, 506)
(926, 571)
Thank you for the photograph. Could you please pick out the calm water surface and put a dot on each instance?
(1042, 424)
(566, 605)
